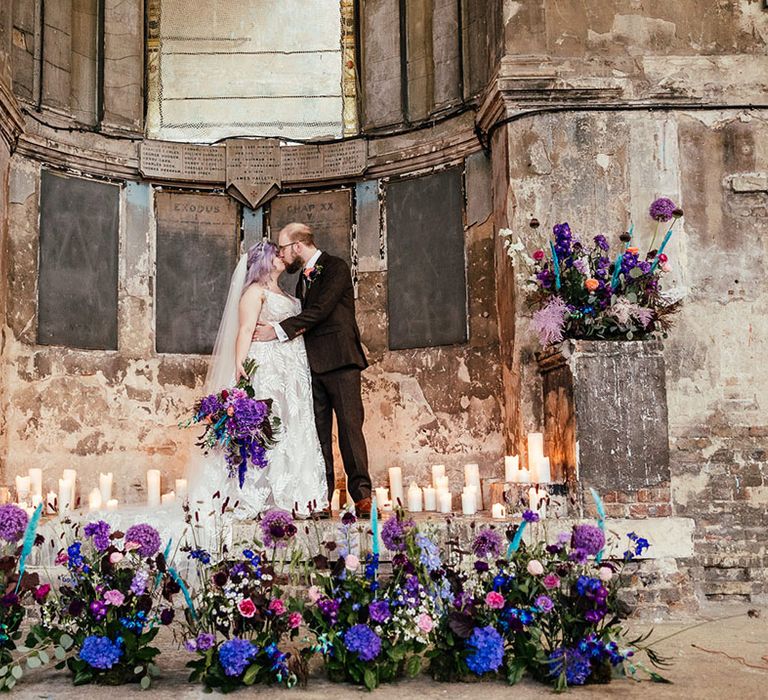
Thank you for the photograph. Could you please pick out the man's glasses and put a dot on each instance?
(287, 245)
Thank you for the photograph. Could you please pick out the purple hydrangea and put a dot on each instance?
(487, 650)
(235, 655)
(378, 611)
(277, 528)
(394, 532)
(573, 663)
(487, 543)
(662, 209)
(588, 537)
(99, 534)
(100, 652)
(146, 537)
(363, 641)
(13, 522)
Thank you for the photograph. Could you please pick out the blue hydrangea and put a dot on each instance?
(571, 661)
(363, 641)
(100, 652)
(486, 647)
(235, 655)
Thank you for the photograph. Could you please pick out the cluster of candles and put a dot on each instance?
(154, 497)
(539, 472)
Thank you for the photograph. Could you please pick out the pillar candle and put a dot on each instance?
(94, 499)
(414, 498)
(36, 481)
(511, 469)
(386, 507)
(105, 486)
(71, 476)
(396, 485)
(523, 476)
(468, 502)
(543, 471)
(498, 511)
(438, 470)
(430, 498)
(181, 489)
(336, 500)
(65, 495)
(472, 478)
(50, 503)
(382, 495)
(445, 501)
(168, 498)
(153, 487)
(36, 499)
(535, 449)
(112, 504)
(442, 483)
(22, 488)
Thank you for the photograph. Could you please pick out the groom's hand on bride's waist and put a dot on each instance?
(264, 332)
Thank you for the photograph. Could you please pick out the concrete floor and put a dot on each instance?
(696, 674)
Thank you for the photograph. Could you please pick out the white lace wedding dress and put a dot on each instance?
(295, 477)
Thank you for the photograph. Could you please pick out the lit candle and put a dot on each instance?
(168, 498)
(535, 449)
(22, 488)
(50, 503)
(153, 487)
(181, 489)
(498, 511)
(36, 481)
(336, 500)
(468, 501)
(414, 498)
(65, 495)
(430, 498)
(386, 507)
(523, 476)
(94, 499)
(105, 486)
(112, 504)
(382, 495)
(445, 501)
(438, 470)
(396, 485)
(512, 469)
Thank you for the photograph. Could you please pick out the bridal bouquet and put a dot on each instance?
(581, 290)
(239, 424)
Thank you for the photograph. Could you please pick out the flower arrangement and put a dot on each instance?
(237, 423)
(579, 290)
(371, 628)
(116, 594)
(236, 623)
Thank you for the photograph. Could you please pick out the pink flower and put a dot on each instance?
(494, 600)
(666, 267)
(130, 546)
(277, 606)
(605, 573)
(62, 557)
(538, 255)
(314, 594)
(114, 597)
(351, 562)
(551, 581)
(116, 557)
(246, 607)
(425, 622)
(41, 592)
(535, 568)
(294, 620)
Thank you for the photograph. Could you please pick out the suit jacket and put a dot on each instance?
(327, 320)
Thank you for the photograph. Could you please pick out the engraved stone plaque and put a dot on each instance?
(182, 161)
(253, 170)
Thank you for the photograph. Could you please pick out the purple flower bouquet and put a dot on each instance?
(239, 424)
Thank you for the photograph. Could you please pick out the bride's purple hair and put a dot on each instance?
(260, 258)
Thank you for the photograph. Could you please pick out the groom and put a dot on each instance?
(335, 354)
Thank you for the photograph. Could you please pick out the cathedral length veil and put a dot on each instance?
(221, 374)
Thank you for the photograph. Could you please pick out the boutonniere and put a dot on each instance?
(311, 273)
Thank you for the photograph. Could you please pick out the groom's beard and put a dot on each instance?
(294, 266)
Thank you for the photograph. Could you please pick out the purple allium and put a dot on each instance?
(139, 582)
(378, 611)
(548, 323)
(13, 522)
(99, 534)
(662, 209)
(487, 543)
(100, 652)
(530, 516)
(394, 532)
(486, 647)
(235, 655)
(277, 528)
(544, 603)
(572, 662)
(363, 641)
(146, 537)
(588, 537)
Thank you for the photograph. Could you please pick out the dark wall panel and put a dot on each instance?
(197, 240)
(77, 292)
(426, 281)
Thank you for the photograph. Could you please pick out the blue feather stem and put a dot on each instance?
(517, 539)
(616, 271)
(555, 265)
(374, 527)
(180, 581)
(29, 541)
(663, 245)
(600, 519)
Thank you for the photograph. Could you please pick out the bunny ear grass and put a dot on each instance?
(29, 541)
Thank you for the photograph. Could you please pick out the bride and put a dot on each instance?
(295, 476)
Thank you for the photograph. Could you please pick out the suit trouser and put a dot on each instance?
(338, 391)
